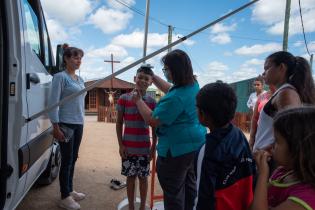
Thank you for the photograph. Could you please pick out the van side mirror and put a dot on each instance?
(59, 60)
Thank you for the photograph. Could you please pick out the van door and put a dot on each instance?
(3, 107)
(38, 59)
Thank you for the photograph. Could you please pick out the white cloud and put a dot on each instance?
(222, 38)
(215, 70)
(105, 52)
(219, 33)
(258, 49)
(298, 43)
(267, 11)
(254, 61)
(221, 28)
(227, 53)
(220, 71)
(271, 13)
(244, 73)
(110, 20)
(135, 40)
(67, 12)
(56, 32)
(116, 5)
(311, 46)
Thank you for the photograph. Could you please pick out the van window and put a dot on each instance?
(32, 27)
(48, 61)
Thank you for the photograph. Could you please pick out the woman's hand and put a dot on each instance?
(58, 134)
(261, 158)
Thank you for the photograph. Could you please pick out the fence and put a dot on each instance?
(242, 120)
(107, 114)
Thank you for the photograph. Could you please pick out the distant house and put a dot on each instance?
(155, 93)
(99, 96)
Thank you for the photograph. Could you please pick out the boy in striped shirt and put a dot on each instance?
(135, 146)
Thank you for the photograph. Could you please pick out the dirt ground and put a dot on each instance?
(98, 163)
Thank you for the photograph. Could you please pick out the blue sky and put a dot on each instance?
(232, 50)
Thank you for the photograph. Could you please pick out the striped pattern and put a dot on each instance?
(136, 137)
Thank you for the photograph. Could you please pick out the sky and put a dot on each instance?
(232, 50)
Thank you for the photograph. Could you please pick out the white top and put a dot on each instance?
(253, 99)
(264, 135)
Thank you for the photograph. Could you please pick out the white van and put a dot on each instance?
(27, 148)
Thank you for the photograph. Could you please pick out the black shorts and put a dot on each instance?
(136, 166)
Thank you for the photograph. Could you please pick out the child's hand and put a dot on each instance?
(123, 152)
(261, 158)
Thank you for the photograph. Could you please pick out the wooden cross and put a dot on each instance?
(112, 62)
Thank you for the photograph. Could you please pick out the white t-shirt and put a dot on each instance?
(253, 99)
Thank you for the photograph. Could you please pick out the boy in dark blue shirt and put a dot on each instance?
(225, 167)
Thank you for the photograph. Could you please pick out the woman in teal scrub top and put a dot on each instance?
(178, 130)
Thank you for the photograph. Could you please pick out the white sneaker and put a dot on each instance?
(77, 196)
(69, 204)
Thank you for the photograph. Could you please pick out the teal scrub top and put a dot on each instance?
(179, 131)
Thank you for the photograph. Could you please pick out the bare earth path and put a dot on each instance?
(98, 163)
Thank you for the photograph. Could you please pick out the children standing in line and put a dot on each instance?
(292, 184)
(225, 167)
(135, 148)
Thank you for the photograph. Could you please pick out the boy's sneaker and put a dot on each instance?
(117, 185)
(69, 204)
(77, 196)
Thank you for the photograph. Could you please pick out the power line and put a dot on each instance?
(303, 29)
(233, 36)
(195, 61)
(138, 11)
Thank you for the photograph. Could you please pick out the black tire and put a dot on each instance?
(53, 167)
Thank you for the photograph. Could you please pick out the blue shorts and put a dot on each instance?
(136, 166)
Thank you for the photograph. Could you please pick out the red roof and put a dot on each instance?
(117, 84)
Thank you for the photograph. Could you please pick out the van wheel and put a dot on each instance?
(53, 167)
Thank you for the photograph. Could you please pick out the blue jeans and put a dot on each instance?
(69, 155)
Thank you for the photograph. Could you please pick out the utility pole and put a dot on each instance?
(147, 13)
(311, 63)
(170, 30)
(112, 62)
(286, 25)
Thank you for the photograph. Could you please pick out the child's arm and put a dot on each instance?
(154, 141)
(260, 201)
(119, 130)
(253, 127)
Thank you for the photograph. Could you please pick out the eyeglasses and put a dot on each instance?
(164, 69)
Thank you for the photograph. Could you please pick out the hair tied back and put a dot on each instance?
(65, 46)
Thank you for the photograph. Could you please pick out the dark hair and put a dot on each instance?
(298, 74)
(218, 101)
(180, 67)
(297, 126)
(146, 70)
(259, 79)
(70, 51)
